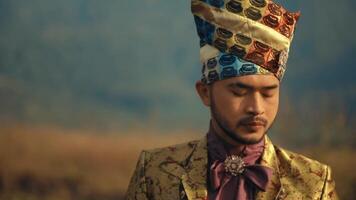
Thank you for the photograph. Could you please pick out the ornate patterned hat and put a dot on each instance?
(242, 37)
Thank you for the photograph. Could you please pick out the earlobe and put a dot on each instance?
(203, 92)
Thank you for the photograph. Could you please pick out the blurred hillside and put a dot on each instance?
(51, 163)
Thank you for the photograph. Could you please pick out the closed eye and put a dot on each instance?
(239, 92)
(268, 92)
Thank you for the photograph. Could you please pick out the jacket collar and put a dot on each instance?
(193, 173)
(269, 159)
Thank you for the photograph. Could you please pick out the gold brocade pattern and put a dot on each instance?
(241, 25)
(180, 172)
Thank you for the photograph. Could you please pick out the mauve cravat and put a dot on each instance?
(223, 185)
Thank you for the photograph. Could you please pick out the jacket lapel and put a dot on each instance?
(269, 159)
(195, 177)
(193, 172)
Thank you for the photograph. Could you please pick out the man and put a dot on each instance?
(244, 49)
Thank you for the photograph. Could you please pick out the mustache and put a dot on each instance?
(253, 119)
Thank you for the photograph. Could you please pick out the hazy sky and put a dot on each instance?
(74, 62)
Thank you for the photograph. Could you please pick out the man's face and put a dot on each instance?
(245, 107)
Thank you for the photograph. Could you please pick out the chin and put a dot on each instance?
(247, 137)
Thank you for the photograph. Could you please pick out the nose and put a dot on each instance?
(255, 105)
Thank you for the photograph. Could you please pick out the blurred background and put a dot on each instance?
(85, 85)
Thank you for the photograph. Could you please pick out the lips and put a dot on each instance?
(253, 126)
(254, 123)
(251, 121)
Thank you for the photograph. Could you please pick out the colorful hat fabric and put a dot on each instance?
(242, 37)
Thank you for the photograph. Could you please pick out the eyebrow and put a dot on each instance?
(246, 86)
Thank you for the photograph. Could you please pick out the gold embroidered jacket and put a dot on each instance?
(180, 172)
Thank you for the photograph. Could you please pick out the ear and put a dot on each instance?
(203, 91)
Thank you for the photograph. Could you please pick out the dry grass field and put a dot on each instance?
(48, 163)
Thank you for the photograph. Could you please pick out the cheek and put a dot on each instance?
(272, 108)
(229, 107)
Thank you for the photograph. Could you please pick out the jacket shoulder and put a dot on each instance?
(304, 175)
(295, 163)
(151, 180)
(178, 153)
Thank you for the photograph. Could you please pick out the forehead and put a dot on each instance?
(252, 81)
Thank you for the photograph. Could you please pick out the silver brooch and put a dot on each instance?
(234, 165)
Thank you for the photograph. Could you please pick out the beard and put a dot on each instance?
(223, 124)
